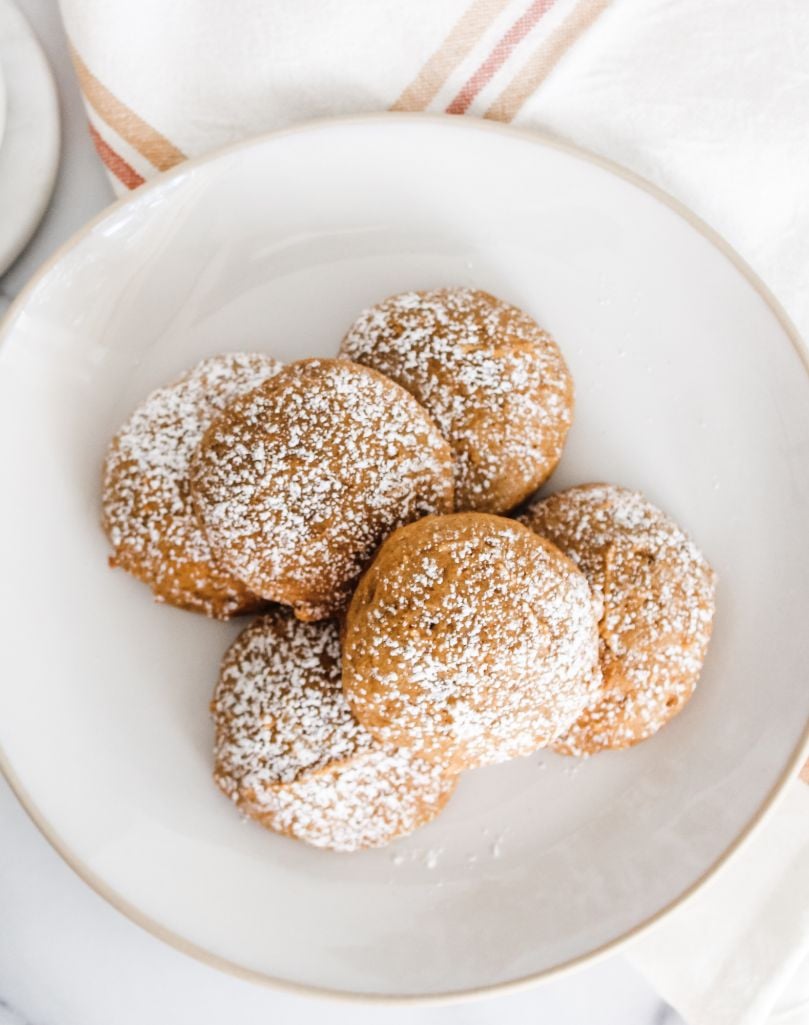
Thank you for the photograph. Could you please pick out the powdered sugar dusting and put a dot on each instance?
(290, 753)
(658, 603)
(377, 797)
(494, 381)
(469, 641)
(148, 513)
(280, 706)
(300, 481)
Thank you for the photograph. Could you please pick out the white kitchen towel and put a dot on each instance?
(708, 100)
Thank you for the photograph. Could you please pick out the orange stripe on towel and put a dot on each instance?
(123, 171)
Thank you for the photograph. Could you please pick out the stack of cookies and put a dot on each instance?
(411, 624)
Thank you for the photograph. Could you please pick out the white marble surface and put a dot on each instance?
(68, 958)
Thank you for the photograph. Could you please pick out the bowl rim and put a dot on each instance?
(794, 763)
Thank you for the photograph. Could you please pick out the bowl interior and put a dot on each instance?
(688, 387)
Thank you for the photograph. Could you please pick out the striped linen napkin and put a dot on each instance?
(708, 100)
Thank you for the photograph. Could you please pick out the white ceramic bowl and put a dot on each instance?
(691, 386)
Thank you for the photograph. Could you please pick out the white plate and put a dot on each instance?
(690, 386)
(2, 102)
(29, 153)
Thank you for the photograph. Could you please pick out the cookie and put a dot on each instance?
(299, 482)
(470, 640)
(494, 382)
(148, 514)
(657, 594)
(290, 754)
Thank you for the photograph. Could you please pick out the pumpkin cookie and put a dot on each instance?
(147, 510)
(657, 592)
(493, 380)
(290, 754)
(470, 640)
(299, 482)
